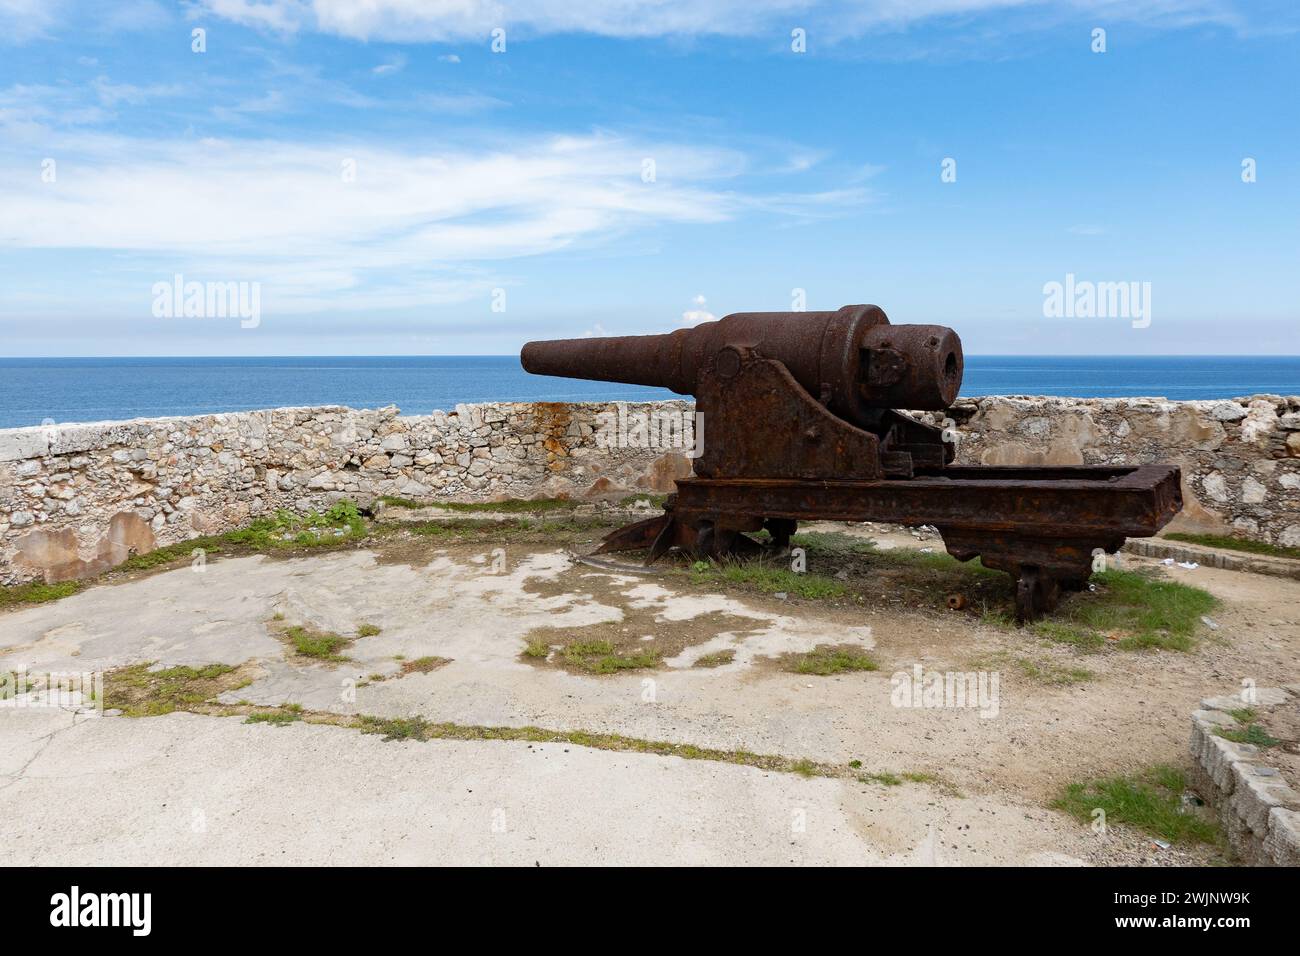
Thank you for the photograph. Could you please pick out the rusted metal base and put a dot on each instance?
(1042, 526)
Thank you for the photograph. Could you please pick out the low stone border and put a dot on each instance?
(1226, 560)
(1259, 810)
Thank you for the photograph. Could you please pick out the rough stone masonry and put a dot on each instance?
(78, 499)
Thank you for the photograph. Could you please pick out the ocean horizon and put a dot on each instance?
(34, 391)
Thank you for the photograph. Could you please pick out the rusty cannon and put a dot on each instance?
(801, 422)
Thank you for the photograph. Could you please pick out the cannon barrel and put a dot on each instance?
(851, 360)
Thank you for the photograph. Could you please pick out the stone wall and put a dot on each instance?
(1240, 458)
(1249, 787)
(76, 499)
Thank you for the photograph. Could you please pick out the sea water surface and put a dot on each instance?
(36, 390)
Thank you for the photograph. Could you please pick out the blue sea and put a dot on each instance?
(33, 390)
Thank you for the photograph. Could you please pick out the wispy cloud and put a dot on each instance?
(111, 94)
(272, 101)
(23, 20)
(393, 64)
(332, 226)
(454, 20)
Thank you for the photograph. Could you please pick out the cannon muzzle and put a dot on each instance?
(852, 360)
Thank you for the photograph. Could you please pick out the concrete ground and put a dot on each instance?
(188, 788)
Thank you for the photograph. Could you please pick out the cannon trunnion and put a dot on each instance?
(799, 422)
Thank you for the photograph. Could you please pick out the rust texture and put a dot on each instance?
(552, 421)
(800, 425)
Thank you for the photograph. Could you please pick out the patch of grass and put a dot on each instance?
(1073, 634)
(423, 665)
(140, 692)
(180, 551)
(445, 529)
(716, 659)
(340, 524)
(601, 657)
(521, 529)
(1130, 610)
(826, 659)
(1250, 734)
(512, 505)
(885, 779)
(192, 689)
(1245, 714)
(321, 645)
(769, 578)
(1038, 670)
(843, 563)
(37, 592)
(1234, 544)
(419, 728)
(537, 649)
(396, 502)
(276, 718)
(398, 728)
(1150, 801)
(934, 780)
(1052, 674)
(368, 630)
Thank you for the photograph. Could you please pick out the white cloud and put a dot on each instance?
(415, 225)
(285, 15)
(272, 101)
(695, 316)
(25, 108)
(393, 65)
(111, 94)
(22, 20)
(451, 20)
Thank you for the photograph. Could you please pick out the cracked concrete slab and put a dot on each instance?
(203, 790)
(447, 602)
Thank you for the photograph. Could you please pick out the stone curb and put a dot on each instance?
(1225, 560)
(1259, 810)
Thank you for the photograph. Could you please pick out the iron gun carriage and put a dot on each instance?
(803, 423)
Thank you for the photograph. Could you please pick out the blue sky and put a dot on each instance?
(520, 172)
